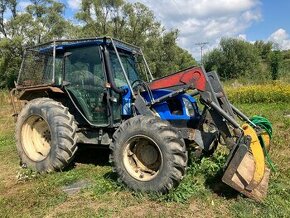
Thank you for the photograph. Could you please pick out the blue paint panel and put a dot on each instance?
(126, 102)
(84, 44)
(71, 45)
(163, 110)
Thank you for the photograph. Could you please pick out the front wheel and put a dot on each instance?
(148, 154)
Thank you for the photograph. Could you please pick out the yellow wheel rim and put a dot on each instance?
(142, 158)
(36, 138)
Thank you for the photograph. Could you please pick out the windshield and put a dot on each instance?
(129, 65)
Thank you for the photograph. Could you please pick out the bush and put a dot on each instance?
(267, 93)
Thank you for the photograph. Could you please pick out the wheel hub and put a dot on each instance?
(142, 158)
(147, 153)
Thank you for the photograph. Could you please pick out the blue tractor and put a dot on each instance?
(100, 91)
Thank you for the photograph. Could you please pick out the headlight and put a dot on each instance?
(189, 107)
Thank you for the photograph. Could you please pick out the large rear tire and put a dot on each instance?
(45, 135)
(148, 154)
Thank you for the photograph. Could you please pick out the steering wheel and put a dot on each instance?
(138, 83)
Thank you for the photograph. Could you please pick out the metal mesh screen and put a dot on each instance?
(38, 64)
(37, 67)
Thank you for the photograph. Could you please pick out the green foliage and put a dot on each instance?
(200, 174)
(275, 64)
(236, 58)
(233, 59)
(284, 70)
(44, 20)
(135, 24)
(10, 59)
(48, 17)
(264, 49)
(165, 57)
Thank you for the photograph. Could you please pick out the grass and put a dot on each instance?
(201, 194)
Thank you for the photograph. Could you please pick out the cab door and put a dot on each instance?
(84, 73)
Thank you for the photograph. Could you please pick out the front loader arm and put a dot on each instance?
(211, 94)
(244, 171)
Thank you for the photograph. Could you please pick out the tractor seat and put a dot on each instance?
(85, 77)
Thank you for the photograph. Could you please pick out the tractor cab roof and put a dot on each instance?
(62, 45)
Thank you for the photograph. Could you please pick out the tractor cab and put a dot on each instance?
(97, 74)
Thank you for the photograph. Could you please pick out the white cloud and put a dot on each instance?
(205, 20)
(280, 37)
(74, 4)
(22, 5)
(242, 36)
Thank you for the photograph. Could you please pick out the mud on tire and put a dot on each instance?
(148, 154)
(45, 135)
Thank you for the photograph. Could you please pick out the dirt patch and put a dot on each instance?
(74, 203)
(199, 209)
(8, 177)
(76, 187)
(143, 209)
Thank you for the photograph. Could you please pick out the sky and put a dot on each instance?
(210, 20)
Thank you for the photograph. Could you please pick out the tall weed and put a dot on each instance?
(267, 93)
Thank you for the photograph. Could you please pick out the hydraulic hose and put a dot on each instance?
(266, 125)
(263, 123)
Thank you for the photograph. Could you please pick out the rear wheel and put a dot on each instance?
(148, 154)
(45, 135)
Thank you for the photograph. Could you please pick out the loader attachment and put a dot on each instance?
(245, 170)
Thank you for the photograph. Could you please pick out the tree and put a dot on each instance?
(135, 24)
(10, 59)
(48, 19)
(264, 49)
(42, 21)
(275, 64)
(9, 49)
(233, 59)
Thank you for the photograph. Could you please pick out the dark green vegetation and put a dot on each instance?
(43, 20)
(258, 62)
(201, 194)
